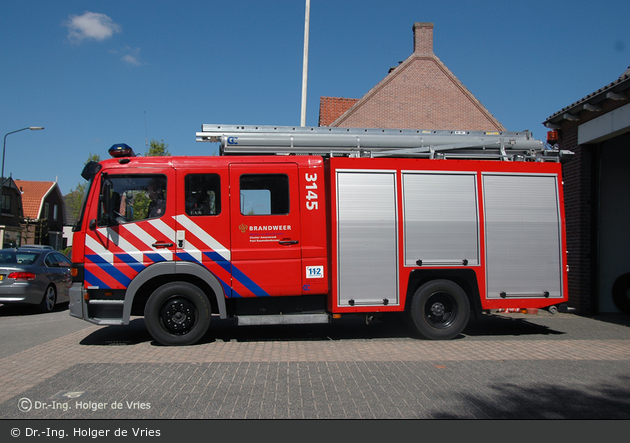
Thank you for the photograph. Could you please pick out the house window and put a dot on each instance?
(55, 212)
(6, 203)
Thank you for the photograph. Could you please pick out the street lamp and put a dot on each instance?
(4, 147)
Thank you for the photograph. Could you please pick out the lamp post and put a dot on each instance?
(4, 147)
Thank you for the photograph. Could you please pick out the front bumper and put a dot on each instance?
(75, 305)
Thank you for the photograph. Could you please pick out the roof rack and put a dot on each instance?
(371, 142)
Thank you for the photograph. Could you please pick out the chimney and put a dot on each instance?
(423, 38)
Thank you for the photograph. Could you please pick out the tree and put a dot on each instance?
(157, 149)
(74, 199)
(93, 158)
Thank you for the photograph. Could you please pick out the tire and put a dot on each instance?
(439, 310)
(177, 314)
(49, 300)
(621, 293)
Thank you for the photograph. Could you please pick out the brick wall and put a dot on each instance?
(420, 94)
(577, 176)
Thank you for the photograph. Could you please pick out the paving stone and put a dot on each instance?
(539, 367)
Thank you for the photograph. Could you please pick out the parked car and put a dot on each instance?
(35, 247)
(34, 276)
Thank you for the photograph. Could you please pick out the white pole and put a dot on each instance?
(305, 64)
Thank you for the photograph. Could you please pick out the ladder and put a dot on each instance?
(370, 142)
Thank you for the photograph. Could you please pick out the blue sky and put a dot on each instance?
(96, 73)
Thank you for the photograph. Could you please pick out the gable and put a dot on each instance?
(34, 193)
(420, 93)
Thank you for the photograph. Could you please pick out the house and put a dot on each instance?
(43, 213)
(597, 196)
(419, 93)
(11, 214)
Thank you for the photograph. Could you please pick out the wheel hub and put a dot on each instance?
(438, 309)
(178, 316)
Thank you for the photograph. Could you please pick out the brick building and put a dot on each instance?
(597, 196)
(419, 93)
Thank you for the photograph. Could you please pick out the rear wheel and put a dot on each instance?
(177, 313)
(49, 300)
(440, 310)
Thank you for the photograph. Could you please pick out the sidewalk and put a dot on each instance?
(504, 366)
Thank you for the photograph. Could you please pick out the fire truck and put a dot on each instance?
(303, 225)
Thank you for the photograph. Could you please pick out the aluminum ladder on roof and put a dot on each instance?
(368, 142)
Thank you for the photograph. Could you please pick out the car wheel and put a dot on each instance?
(439, 310)
(49, 301)
(177, 313)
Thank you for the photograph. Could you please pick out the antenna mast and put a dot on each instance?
(146, 133)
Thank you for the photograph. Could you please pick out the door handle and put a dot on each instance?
(162, 244)
(288, 242)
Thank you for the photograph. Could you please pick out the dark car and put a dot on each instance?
(34, 276)
(35, 247)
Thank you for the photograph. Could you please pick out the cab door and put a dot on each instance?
(265, 219)
(132, 226)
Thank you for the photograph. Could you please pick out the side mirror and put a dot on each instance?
(90, 170)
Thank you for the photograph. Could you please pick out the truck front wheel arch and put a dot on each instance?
(439, 310)
(177, 313)
(159, 274)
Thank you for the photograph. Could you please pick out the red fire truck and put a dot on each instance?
(298, 225)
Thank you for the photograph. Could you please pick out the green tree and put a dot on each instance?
(93, 158)
(74, 199)
(157, 149)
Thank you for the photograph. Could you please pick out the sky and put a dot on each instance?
(97, 73)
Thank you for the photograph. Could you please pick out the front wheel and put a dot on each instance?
(439, 310)
(177, 313)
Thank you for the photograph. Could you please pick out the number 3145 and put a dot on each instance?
(311, 195)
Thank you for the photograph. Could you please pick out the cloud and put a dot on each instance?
(90, 26)
(130, 55)
(131, 59)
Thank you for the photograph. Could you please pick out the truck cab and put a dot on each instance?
(177, 239)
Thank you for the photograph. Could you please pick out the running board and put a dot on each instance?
(282, 319)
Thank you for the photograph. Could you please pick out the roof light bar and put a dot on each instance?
(121, 150)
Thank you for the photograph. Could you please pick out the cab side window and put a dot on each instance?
(264, 194)
(132, 198)
(203, 194)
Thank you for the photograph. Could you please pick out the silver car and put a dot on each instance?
(34, 276)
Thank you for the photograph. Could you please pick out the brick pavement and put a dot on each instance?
(541, 367)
